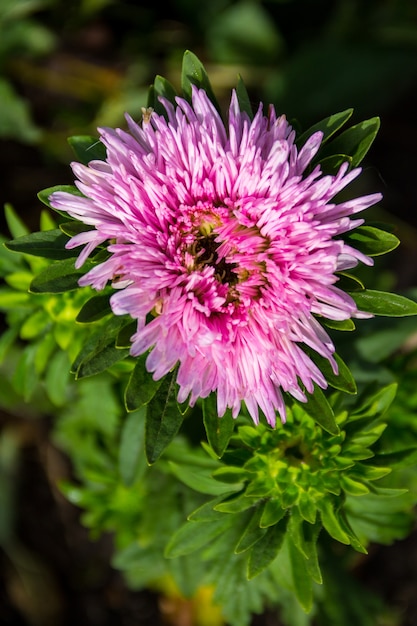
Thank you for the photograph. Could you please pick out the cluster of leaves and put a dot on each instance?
(259, 540)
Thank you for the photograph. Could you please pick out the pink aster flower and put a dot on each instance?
(224, 247)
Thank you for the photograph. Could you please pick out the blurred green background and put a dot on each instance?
(67, 67)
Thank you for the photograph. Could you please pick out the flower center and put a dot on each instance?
(205, 251)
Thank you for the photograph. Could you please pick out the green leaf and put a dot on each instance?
(343, 381)
(74, 228)
(354, 142)
(206, 512)
(303, 586)
(332, 163)
(266, 549)
(100, 351)
(372, 241)
(161, 88)
(329, 126)
(131, 450)
(141, 387)
(94, 309)
(218, 429)
(198, 479)
(163, 419)
(193, 535)
(59, 277)
(194, 73)
(49, 244)
(252, 532)
(230, 474)
(16, 226)
(320, 410)
(236, 504)
(87, 148)
(349, 282)
(45, 194)
(374, 405)
(243, 97)
(344, 325)
(384, 303)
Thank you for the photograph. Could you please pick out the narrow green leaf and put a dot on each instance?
(343, 325)
(132, 450)
(398, 459)
(302, 580)
(384, 303)
(74, 228)
(59, 277)
(87, 148)
(372, 241)
(231, 474)
(194, 73)
(331, 164)
(343, 381)
(243, 98)
(355, 141)
(198, 479)
(374, 405)
(49, 244)
(193, 535)
(207, 511)
(141, 387)
(16, 226)
(236, 504)
(349, 282)
(266, 549)
(161, 88)
(218, 429)
(329, 126)
(124, 338)
(252, 532)
(94, 309)
(320, 410)
(45, 194)
(163, 419)
(99, 352)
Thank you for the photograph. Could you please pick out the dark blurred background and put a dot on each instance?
(67, 67)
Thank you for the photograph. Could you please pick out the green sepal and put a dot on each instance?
(45, 194)
(192, 536)
(59, 277)
(161, 88)
(266, 549)
(132, 441)
(87, 148)
(141, 387)
(124, 338)
(354, 142)
(99, 352)
(397, 459)
(163, 418)
(272, 513)
(328, 126)
(384, 303)
(49, 244)
(94, 309)
(218, 429)
(318, 407)
(243, 98)
(372, 241)
(194, 73)
(331, 522)
(252, 533)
